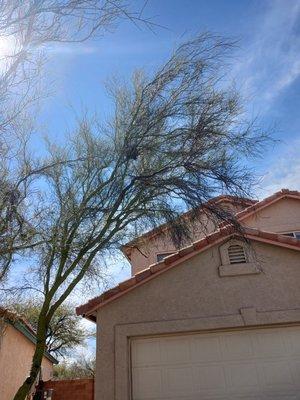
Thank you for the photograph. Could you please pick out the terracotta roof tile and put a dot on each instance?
(172, 260)
(222, 198)
(283, 193)
(140, 276)
(14, 316)
(157, 267)
(127, 284)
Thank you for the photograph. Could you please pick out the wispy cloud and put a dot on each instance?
(71, 49)
(271, 61)
(283, 172)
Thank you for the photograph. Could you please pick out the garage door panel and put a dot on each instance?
(245, 365)
(146, 353)
(237, 347)
(295, 367)
(242, 375)
(293, 343)
(210, 377)
(178, 381)
(147, 383)
(278, 374)
(175, 351)
(270, 344)
(205, 349)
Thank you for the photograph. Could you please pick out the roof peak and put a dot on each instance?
(267, 201)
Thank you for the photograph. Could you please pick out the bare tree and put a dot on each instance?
(27, 29)
(64, 331)
(83, 367)
(175, 140)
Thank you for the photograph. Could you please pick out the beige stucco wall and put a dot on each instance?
(146, 251)
(193, 297)
(281, 216)
(15, 360)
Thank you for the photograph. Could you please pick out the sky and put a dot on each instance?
(265, 68)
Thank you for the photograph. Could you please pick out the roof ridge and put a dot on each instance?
(216, 199)
(267, 200)
(168, 262)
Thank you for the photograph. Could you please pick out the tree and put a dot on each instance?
(64, 331)
(176, 139)
(81, 368)
(27, 29)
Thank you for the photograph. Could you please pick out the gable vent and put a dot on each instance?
(236, 254)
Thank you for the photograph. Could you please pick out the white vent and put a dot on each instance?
(236, 254)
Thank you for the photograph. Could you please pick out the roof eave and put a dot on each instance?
(177, 258)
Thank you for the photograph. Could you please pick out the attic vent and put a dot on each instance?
(236, 254)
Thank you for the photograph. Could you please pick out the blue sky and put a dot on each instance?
(265, 67)
(266, 70)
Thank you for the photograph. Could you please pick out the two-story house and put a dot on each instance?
(216, 319)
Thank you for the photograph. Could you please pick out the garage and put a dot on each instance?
(246, 365)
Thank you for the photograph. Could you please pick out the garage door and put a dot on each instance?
(244, 365)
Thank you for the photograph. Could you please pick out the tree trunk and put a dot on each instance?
(37, 359)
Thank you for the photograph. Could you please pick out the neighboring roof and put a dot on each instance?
(13, 317)
(282, 194)
(245, 202)
(171, 261)
(24, 327)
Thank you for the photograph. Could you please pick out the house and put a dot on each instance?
(217, 319)
(17, 343)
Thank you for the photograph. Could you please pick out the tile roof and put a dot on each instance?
(171, 261)
(281, 194)
(13, 317)
(23, 326)
(246, 202)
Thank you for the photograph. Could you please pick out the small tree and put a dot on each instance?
(64, 331)
(81, 368)
(175, 140)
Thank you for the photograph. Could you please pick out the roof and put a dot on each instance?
(24, 327)
(246, 202)
(183, 254)
(281, 194)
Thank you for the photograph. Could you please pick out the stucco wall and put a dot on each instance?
(15, 360)
(193, 297)
(281, 216)
(146, 251)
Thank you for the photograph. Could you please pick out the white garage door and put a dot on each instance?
(244, 365)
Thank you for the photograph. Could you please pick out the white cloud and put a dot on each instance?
(271, 62)
(284, 171)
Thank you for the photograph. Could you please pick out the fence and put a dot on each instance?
(75, 389)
